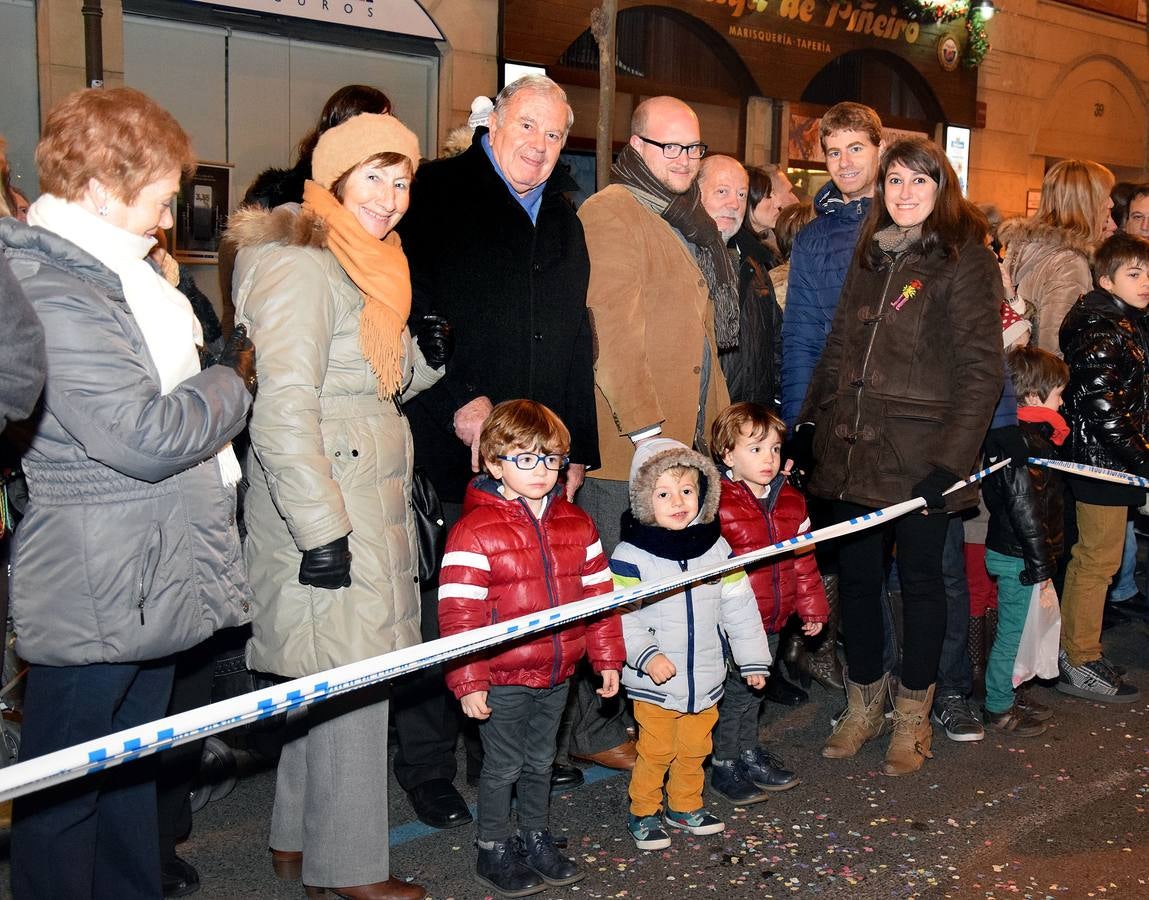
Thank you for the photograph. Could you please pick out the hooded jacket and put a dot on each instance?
(691, 628)
(1048, 267)
(1107, 400)
(502, 562)
(515, 294)
(329, 458)
(786, 584)
(909, 377)
(128, 550)
(819, 261)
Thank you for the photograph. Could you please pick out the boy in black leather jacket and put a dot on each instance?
(1105, 341)
(1025, 539)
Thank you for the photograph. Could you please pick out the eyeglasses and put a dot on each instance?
(673, 151)
(528, 461)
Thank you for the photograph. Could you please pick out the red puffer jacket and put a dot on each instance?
(792, 582)
(501, 562)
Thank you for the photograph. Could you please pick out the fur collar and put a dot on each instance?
(253, 226)
(1022, 230)
(655, 457)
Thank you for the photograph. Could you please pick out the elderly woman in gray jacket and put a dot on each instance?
(326, 292)
(128, 552)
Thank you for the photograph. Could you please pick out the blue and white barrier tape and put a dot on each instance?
(1095, 472)
(161, 734)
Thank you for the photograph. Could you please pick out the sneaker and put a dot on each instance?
(766, 770)
(648, 832)
(1024, 703)
(537, 849)
(501, 868)
(1094, 680)
(729, 778)
(1014, 722)
(952, 712)
(697, 822)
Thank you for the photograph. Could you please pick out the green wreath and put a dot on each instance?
(977, 42)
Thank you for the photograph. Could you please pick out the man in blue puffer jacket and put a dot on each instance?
(851, 136)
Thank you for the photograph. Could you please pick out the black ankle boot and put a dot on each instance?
(537, 849)
(500, 868)
(779, 690)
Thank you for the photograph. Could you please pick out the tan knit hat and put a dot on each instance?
(342, 148)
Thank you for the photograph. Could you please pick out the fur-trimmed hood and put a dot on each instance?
(653, 458)
(1029, 243)
(290, 225)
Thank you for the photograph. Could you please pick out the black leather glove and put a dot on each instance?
(930, 488)
(800, 449)
(327, 567)
(1007, 441)
(436, 339)
(238, 354)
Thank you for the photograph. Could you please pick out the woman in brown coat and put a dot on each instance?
(901, 399)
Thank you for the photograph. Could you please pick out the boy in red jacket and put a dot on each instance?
(521, 547)
(759, 508)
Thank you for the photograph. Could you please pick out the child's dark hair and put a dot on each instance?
(526, 424)
(1119, 250)
(727, 427)
(1036, 371)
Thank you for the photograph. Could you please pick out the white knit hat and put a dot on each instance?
(480, 116)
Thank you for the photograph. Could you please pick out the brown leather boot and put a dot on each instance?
(864, 719)
(823, 665)
(913, 734)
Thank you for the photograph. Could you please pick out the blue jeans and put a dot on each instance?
(1124, 585)
(1012, 607)
(97, 836)
(954, 676)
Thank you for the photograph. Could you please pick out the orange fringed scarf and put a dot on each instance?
(379, 269)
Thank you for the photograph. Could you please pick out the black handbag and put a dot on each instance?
(430, 528)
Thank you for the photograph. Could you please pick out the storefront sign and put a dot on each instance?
(396, 16)
(866, 17)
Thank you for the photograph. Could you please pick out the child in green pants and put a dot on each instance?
(1024, 540)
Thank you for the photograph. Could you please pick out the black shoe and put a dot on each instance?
(766, 770)
(779, 690)
(1134, 607)
(563, 778)
(729, 778)
(438, 804)
(1113, 615)
(501, 868)
(178, 877)
(537, 849)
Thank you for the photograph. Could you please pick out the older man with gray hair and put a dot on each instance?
(495, 248)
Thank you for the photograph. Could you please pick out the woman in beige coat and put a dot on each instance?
(331, 543)
(1047, 256)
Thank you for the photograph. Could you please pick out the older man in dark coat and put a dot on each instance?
(496, 249)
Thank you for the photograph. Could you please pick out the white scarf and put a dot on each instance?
(170, 328)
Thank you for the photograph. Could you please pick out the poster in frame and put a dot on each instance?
(201, 211)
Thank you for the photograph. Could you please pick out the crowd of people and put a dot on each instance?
(462, 400)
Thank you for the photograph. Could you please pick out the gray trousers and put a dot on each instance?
(331, 790)
(518, 749)
(738, 711)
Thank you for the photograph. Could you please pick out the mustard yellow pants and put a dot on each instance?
(670, 742)
(1093, 562)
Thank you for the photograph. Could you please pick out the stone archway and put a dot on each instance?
(1095, 109)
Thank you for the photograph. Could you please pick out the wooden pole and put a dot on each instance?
(602, 26)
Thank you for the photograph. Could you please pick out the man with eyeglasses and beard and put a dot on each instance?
(663, 300)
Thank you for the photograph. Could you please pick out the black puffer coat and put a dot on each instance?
(1026, 506)
(1106, 346)
(909, 377)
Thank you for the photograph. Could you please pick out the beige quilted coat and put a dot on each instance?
(327, 457)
